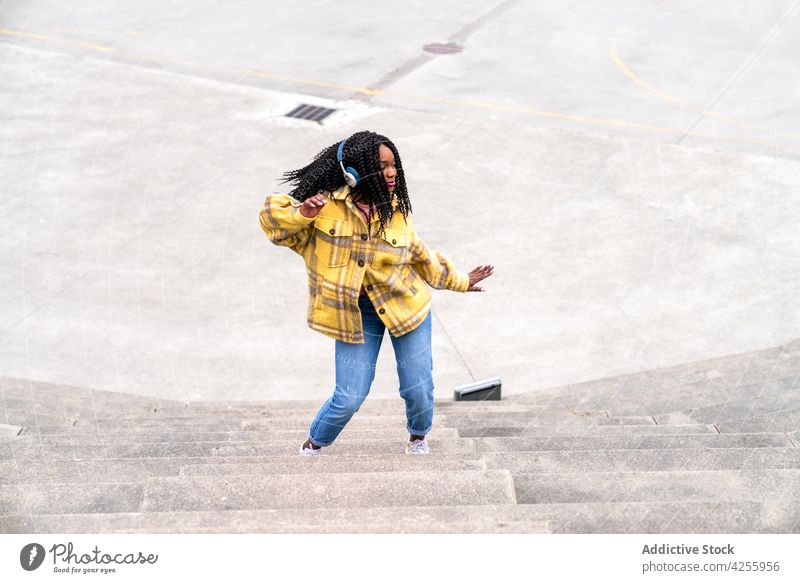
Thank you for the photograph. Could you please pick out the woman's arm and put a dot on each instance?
(436, 269)
(281, 220)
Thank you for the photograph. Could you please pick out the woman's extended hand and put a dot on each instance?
(478, 274)
(310, 208)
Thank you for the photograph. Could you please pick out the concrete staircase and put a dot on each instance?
(712, 446)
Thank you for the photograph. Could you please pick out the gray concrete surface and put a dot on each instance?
(630, 168)
(563, 477)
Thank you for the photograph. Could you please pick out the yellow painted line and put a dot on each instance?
(520, 109)
(363, 90)
(686, 105)
(37, 30)
(366, 91)
(587, 119)
(19, 33)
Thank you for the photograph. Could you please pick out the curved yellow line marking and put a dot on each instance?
(686, 105)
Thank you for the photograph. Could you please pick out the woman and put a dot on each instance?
(349, 217)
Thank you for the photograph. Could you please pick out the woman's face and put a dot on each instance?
(387, 166)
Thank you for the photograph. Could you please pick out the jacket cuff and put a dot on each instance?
(295, 215)
(463, 282)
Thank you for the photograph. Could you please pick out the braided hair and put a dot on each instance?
(360, 152)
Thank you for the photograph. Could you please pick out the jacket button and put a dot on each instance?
(361, 263)
(332, 231)
(381, 311)
(369, 287)
(363, 237)
(394, 241)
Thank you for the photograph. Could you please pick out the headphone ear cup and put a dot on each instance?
(351, 177)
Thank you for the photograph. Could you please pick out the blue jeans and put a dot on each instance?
(355, 371)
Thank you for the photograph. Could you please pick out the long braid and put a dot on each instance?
(360, 152)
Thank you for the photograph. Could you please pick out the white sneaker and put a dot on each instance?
(309, 450)
(417, 446)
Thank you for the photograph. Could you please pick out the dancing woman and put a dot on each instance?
(349, 217)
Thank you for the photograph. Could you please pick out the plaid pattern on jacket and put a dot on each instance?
(340, 253)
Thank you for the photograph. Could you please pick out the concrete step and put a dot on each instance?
(656, 517)
(67, 498)
(688, 517)
(584, 430)
(601, 442)
(8, 432)
(662, 486)
(244, 424)
(66, 406)
(327, 464)
(641, 400)
(294, 408)
(685, 517)
(524, 420)
(645, 460)
(731, 370)
(370, 402)
(239, 492)
(43, 392)
(26, 418)
(483, 421)
(116, 436)
(350, 447)
(731, 410)
(82, 428)
(125, 470)
(786, 420)
(444, 519)
(78, 472)
(254, 416)
(10, 451)
(332, 490)
(358, 421)
(544, 414)
(236, 424)
(231, 422)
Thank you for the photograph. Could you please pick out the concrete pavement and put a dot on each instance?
(639, 202)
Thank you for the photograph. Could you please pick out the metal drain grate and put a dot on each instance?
(310, 112)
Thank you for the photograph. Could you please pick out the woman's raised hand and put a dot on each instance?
(479, 274)
(310, 208)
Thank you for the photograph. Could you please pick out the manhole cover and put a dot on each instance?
(442, 48)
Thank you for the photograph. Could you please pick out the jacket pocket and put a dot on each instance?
(330, 305)
(333, 241)
(391, 248)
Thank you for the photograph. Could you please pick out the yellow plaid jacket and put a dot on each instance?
(340, 253)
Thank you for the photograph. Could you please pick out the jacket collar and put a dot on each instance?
(342, 192)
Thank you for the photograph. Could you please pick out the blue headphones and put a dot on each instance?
(350, 174)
